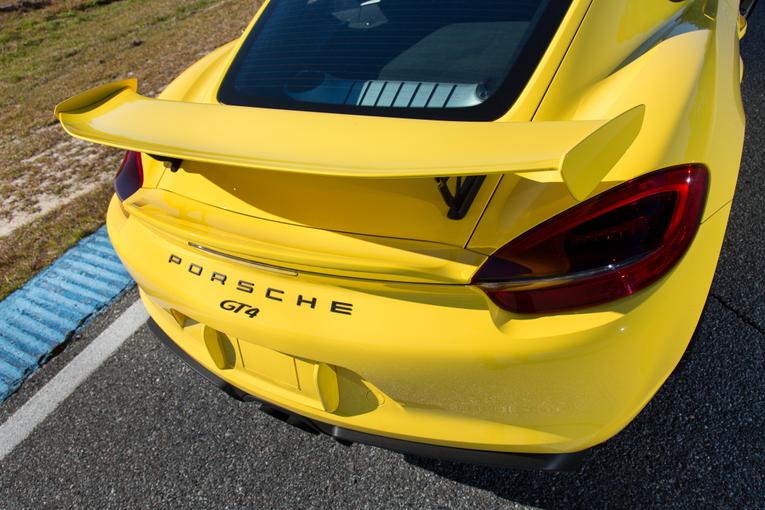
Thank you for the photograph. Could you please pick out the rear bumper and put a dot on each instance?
(347, 437)
(417, 363)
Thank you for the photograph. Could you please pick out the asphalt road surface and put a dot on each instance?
(144, 431)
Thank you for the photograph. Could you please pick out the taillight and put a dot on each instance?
(129, 177)
(606, 248)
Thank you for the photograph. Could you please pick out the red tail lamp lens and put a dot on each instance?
(130, 175)
(606, 248)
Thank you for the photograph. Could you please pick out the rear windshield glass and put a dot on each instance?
(444, 59)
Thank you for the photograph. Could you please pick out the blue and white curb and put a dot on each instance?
(44, 314)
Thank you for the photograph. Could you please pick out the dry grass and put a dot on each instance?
(24, 255)
(50, 50)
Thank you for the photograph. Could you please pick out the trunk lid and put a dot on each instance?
(410, 208)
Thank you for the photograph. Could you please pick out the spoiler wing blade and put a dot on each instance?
(342, 145)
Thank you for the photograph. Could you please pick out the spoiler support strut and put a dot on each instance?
(466, 189)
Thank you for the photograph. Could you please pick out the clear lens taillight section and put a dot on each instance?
(129, 177)
(606, 248)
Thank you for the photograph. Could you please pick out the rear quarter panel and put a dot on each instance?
(682, 61)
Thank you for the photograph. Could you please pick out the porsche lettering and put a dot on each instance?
(301, 300)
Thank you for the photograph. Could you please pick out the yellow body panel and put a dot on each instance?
(689, 82)
(435, 363)
(328, 280)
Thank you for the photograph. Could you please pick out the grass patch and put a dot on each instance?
(28, 250)
(52, 50)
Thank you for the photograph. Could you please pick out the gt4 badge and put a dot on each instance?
(240, 308)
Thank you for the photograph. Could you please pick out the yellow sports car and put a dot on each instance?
(481, 230)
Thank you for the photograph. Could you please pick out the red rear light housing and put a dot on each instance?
(129, 178)
(603, 249)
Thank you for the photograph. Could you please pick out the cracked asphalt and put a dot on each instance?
(144, 431)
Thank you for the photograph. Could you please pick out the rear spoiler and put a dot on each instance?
(347, 146)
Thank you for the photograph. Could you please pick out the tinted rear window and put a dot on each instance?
(443, 59)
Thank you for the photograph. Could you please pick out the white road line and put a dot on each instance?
(18, 427)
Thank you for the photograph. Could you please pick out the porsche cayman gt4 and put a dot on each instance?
(479, 230)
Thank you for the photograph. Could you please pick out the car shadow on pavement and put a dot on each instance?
(700, 443)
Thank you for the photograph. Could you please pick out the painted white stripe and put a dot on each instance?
(18, 427)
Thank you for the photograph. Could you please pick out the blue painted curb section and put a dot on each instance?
(44, 313)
